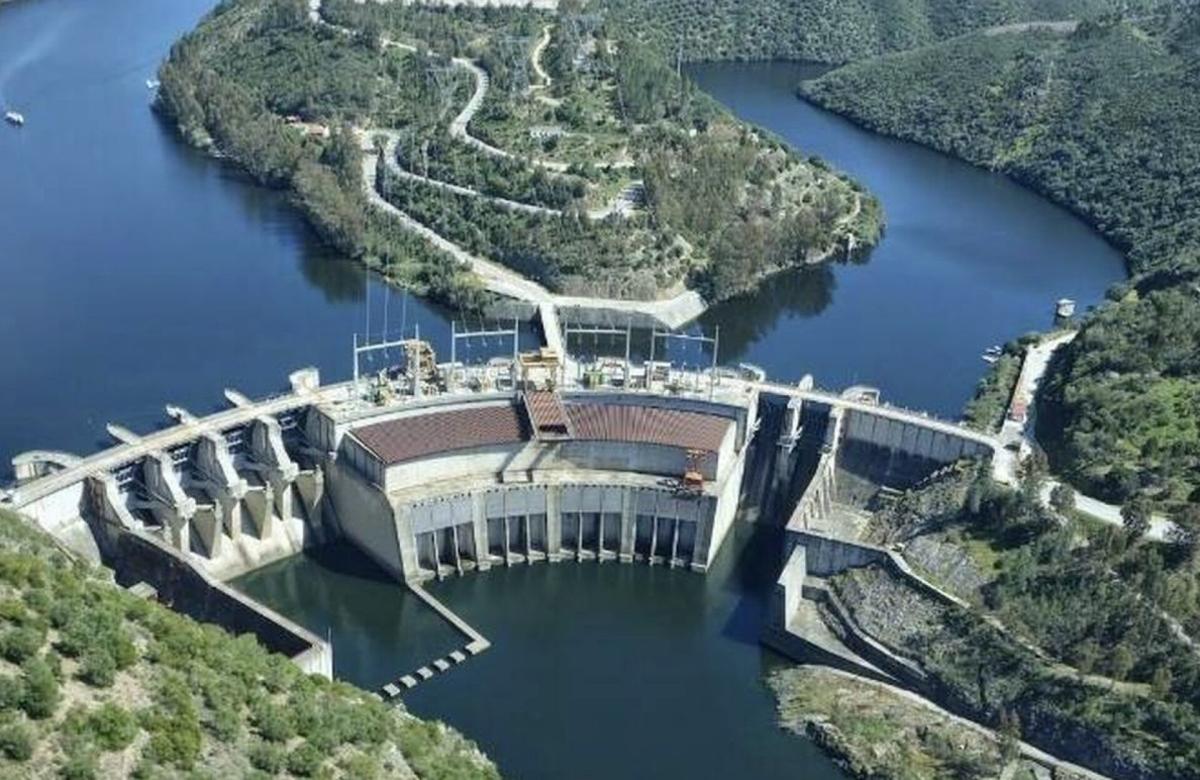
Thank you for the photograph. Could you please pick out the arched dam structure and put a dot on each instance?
(447, 469)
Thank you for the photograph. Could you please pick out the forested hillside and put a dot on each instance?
(832, 31)
(539, 181)
(1106, 120)
(96, 682)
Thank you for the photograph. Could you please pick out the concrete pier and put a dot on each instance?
(476, 644)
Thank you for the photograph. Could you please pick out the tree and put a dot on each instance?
(1085, 656)
(1010, 735)
(1034, 470)
(1160, 683)
(1136, 515)
(1185, 534)
(1062, 499)
(1121, 663)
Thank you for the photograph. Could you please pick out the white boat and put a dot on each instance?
(990, 358)
(151, 83)
(13, 118)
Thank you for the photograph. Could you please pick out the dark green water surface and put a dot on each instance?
(597, 670)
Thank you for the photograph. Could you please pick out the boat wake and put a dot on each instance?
(37, 48)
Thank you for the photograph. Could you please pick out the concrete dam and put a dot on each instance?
(439, 469)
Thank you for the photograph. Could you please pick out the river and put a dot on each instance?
(136, 272)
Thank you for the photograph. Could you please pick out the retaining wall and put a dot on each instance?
(185, 589)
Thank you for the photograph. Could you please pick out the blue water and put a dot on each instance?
(134, 271)
(969, 259)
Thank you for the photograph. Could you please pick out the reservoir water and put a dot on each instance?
(135, 272)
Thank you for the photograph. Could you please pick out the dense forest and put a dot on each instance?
(832, 31)
(1105, 119)
(238, 103)
(289, 100)
(97, 682)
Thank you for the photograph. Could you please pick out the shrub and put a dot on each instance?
(305, 760)
(98, 668)
(273, 722)
(268, 757)
(12, 693)
(16, 742)
(19, 644)
(174, 724)
(362, 767)
(80, 764)
(40, 690)
(12, 610)
(112, 727)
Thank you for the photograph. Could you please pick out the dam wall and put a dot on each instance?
(431, 480)
(899, 453)
(184, 588)
(362, 509)
(807, 621)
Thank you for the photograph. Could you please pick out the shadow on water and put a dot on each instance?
(745, 319)
(344, 559)
(747, 571)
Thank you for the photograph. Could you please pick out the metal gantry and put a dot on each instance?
(457, 335)
(366, 347)
(602, 330)
(714, 340)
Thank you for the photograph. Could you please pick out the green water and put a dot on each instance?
(597, 670)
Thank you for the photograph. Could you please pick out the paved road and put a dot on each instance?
(1020, 433)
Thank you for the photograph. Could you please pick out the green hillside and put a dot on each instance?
(292, 101)
(828, 30)
(96, 682)
(1106, 120)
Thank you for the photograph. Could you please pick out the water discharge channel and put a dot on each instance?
(138, 272)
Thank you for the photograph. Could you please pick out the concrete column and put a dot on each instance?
(269, 457)
(457, 553)
(653, 539)
(628, 523)
(479, 528)
(553, 524)
(180, 531)
(206, 523)
(310, 484)
(104, 499)
(674, 541)
(406, 540)
(578, 535)
(257, 505)
(507, 554)
(437, 554)
(528, 539)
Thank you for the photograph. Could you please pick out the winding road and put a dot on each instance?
(671, 312)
